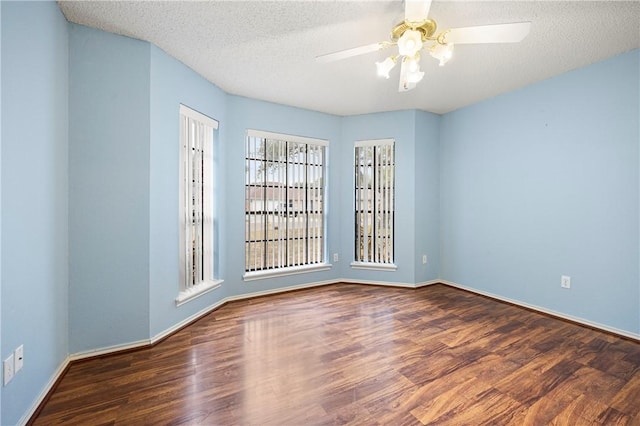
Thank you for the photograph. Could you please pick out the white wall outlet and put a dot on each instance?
(8, 369)
(336, 258)
(19, 358)
(565, 281)
(424, 259)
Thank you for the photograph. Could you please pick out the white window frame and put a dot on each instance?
(288, 202)
(382, 210)
(197, 269)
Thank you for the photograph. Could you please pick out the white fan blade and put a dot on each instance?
(416, 10)
(343, 54)
(500, 33)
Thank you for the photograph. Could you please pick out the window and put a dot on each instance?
(374, 204)
(196, 204)
(284, 204)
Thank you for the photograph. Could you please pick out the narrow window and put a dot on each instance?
(196, 204)
(374, 203)
(284, 203)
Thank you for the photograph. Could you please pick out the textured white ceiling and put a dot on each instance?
(266, 49)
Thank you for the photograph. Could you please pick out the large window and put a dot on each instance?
(196, 204)
(284, 203)
(374, 203)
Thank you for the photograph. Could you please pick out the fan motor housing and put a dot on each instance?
(426, 28)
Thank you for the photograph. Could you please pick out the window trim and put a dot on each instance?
(297, 269)
(288, 138)
(187, 291)
(285, 271)
(375, 265)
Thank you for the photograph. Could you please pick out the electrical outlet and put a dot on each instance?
(8, 369)
(424, 259)
(19, 358)
(336, 258)
(565, 281)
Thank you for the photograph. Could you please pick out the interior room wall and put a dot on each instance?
(400, 126)
(503, 196)
(1, 352)
(427, 196)
(172, 83)
(109, 172)
(34, 198)
(243, 114)
(543, 182)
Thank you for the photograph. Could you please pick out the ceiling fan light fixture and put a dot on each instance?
(410, 43)
(410, 73)
(385, 66)
(415, 76)
(413, 63)
(418, 31)
(442, 52)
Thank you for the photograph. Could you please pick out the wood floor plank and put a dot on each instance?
(490, 407)
(350, 354)
(627, 400)
(587, 411)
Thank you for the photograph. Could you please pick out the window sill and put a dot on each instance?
(196, 291)
(281, 272)
(374, 266)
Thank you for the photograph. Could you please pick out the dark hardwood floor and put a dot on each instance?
(361, 355)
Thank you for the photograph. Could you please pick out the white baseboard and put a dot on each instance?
(376, 282)
(208, 309)
(197, 315)
(427, 283)
(578, 320)
(109, 349)
(389, 283)
(142, 343)
(167, 332)
(52, 381)
(203, 312)
(279, 290)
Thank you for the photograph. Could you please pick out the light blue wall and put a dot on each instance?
(427, 196)
(109, 172)
(173, 83)
(543, 182)
(34, 197)
(401, 126)
(243, 114)
(1, 352)
(504, 196)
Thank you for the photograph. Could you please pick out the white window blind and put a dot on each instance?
(196, 200)
(284, 201)
(374, 201)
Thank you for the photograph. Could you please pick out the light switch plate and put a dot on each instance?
(7, 370)
(19, 358)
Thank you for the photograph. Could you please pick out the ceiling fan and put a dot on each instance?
(417, 33)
